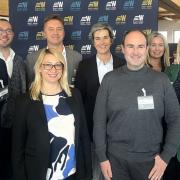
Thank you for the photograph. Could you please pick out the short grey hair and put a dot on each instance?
(101, 26)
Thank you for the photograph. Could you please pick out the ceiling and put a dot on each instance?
(4, 10)
(168, 9)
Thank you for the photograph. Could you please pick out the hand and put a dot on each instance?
(158, 169)
(106, 169)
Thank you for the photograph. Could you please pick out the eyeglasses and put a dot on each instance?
(50, 66)
(7, 31)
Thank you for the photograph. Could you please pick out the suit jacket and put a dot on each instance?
(16, 86)
(73, 59)
(31, 140)
(87, 81)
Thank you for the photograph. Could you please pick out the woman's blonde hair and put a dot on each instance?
(165, 58)
(177, 59)
(36, 85)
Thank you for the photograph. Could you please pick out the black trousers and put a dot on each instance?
(5, 153)
(72, 177)
(172, 171)
(129, 170)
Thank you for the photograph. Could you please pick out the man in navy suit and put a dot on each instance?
(91, 72)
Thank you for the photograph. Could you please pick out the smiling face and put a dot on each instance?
(156, 48)
(135, 50)
(53, 74)
(54, 33)
(6, 34)
(102, 41)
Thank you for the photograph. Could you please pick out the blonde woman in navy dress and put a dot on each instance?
(50, 136)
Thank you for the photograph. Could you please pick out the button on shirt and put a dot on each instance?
(9, 62)
(103, 68)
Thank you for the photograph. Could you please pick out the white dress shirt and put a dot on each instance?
(9, 62)
(104, 68)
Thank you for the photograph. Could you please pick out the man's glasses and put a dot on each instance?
(7, 31)
(50, 66)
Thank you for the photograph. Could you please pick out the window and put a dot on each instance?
(176, 36)
(164, 33)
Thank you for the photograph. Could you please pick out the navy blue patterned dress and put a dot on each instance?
(60, 120)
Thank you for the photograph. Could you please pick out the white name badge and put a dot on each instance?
(145, 102)
(3, 92)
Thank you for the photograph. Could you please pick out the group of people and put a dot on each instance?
(118, 119)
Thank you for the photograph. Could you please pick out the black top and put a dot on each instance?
(3, 73)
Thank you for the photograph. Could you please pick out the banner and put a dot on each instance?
(27, 17)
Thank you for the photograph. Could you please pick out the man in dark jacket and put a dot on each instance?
(14, 80)
(91, 72)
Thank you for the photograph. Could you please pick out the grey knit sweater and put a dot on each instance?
(120, 128)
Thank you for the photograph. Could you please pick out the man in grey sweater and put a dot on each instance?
(131, 103)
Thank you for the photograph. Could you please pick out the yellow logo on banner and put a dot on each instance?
(93, 5)
(118, 49)
(40, 6)
(40, 35)
(70, 46)
(146, 4)
(147, 31)
(121, 19)
(68, 20)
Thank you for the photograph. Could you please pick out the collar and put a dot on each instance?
(100, 62)
(11, 55)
